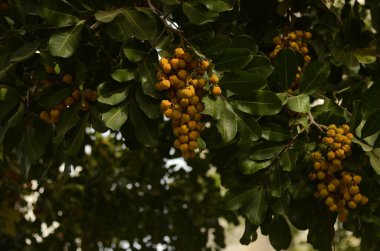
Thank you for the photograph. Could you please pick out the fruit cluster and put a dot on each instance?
(52, 116)
(298, 41)
(182, 77)
(338, 187)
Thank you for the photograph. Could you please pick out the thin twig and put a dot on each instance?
(322, 128)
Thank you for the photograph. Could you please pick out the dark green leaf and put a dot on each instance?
(265, 150)
(280, 205)
(249, 166)
(371, 97)
(279, 182)
(134, 50)
(64, 44)
(197, 13)
(53, 95)
(150, 106)
(116, 117)
(170, 2)
(257, 208)
(279, 234)
(75, 138)
(249, 234)
(141, 25)
(240, 82)
(56, 13)
(32, 146)
(123, 75)
(259, 103)
(261, 65)
(216, 45)
(25, 52)
(218, 5)
(288, 160)
(314, 77)
(146, 131)
(68, 119)
(285, 68)
(9, 99)
(320, 233)
(107, 16)
(247, 126)
(148, 79)
(112, 93)
(245, 41)
(234, 200)
(227, 124)
(233, 59)
(300, 103)
(372, 124)
(14, 120)
(275, 132)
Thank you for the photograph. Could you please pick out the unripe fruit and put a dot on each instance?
(165, 104)
(216, 91)
(200, 107)
(179, 52)
(194, 100)
(191, 110)
(185, 118)
(346, 128)
(181, 64)
(187, 57)
(197, 117)
(347, 196)
(67, 79)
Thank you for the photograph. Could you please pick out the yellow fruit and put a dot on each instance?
(340, 154)
(316, 155)
(204, 64)
(330, 155)
(321, 175)
(163, 62)
(292, 36)
(331, 133)
(197, 117)
(165, 104)
(191, 110)
(324, 192)
(329, 201)
(184, 147)
(337, 163)
(346, 148)
(347, 196)
(176, 114)
(67, 79)
(304, 50)
(307, 58)
(194, 100)
(184, 103)
(182, 74)
(352, 204)
(69, 101)
(277, 40)
(187, 57)
(358, 198)
(333, 208)
(174, 63)
(179, 52)
(214, 79)
(176, 131)
(193, 145)
(350, 135)
(181, 64)
(168, 113)
(307, 35)
(192, 125)
(200, 107)
(364, 200)
(317, 165)
(331, 187)
(354, 189)
(194, 135)
(166, 68)
(183, 139)
(347, 179)
(76, 94)
(357, 179)
(201, 83)
(216, 91)
(176, 143)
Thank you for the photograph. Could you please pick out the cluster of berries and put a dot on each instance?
(338, 187)
(182, 77)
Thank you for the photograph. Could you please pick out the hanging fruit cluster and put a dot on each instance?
(182, 77)
(298, 41)
(52, 116)
(338, 187)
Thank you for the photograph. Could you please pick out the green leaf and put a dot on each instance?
(288, 160)
(139, 24)
(235, 199)
(123, 75)
(285, 68)
(32, 146)
(227, 124)
(9, 99)
(64, 44)
(150, 106)
(197, 13)
(134, 50)
(280, 236)
(300, 103)
(145, 129)
(250, 234)
(53, 95)
(320, 234)
(279, 182)
(170, 2)
(357, 115)
(374, 158)
(257, 208)
(25, 52)
(261, 102)
(218, 5)
(14, 120)
(265, 150)
(280, 205)
(107, 16)
(275, 132)
(249, 166)
(240, 82)
(68, 119)
(214, 107)
(116, 116)
(261, 65)
(233, 59)
(56, 13)
(148, 79)
(372, 125)
(111, 93)
(371, 97)
(217, 45)
(245, 41)
(75, 137)
(247, 126)
(314, 77)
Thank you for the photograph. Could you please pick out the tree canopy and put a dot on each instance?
(272, 104)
